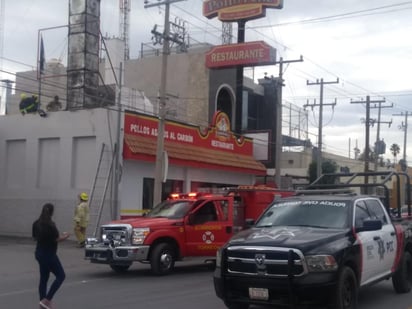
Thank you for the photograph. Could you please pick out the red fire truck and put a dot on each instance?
(184, 225)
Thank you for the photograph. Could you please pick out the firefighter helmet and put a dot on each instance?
(84, 196)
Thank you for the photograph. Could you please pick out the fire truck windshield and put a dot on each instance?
(173, 209)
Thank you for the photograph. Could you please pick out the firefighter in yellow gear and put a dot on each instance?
(30, 105)
(81, 218)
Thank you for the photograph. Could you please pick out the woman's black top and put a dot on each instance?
(46, 235)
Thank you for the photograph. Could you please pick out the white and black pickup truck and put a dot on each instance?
(318, 247)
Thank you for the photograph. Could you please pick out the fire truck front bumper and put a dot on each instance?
(103, 254)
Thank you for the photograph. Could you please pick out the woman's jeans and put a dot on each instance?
(49, 263)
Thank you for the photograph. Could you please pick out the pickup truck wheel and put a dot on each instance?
(346, 291)
(162, 259)
(402, 279)
(120, 268)
(233, 305)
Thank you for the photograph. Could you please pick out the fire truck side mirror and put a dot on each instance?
(277, 197)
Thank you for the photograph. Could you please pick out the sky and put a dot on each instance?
(365, 44)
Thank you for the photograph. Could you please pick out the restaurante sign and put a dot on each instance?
(244, 54)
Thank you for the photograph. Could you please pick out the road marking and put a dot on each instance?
(74, 283)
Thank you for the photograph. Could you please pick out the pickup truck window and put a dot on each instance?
(312, 213)
(206, 213)
(224, 206)
(369, 209)
(361, 213)
(377, 211)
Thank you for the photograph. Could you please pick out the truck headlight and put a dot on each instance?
(139, 235)
(319, 263)
(218, 258)
(91, 241)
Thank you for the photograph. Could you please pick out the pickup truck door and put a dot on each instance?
(378, 247)
(387, 243)
(209, 227)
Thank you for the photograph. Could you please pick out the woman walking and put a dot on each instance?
(47, 236)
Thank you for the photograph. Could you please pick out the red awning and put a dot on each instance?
(143, 148)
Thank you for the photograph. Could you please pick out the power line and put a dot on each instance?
(338, 16)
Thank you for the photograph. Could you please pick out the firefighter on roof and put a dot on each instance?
(30, 105)
(54, 105)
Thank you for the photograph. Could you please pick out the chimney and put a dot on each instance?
(83, 54)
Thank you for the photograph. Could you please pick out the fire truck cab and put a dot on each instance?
(184, 225)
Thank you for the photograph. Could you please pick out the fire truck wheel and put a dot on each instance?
(162, 259)
(402, 279)
(120, 268)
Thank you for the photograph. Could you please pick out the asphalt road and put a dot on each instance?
(97, 286)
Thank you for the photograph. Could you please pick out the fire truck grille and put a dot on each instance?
(115, 235)
(265, 261)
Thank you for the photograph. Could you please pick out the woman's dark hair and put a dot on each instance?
(46, 212)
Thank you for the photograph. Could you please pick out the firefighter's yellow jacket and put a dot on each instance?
(81, 214)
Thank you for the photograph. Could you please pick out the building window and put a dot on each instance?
(170, 186)
(224, 103)
(198, 186)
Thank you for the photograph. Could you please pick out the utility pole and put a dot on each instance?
(2, 23)
(290, 119)
(403, 164)
(239, 80)
(278, 148)
(159, 165)
(117, 173)
(368, 123)
(227, 33)
(404, 127)
(378, 142)
(321, 104)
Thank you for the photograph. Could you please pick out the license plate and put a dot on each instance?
(101, 256)
(258, 293)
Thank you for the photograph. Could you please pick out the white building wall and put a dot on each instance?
(55, 158)
(49, 159)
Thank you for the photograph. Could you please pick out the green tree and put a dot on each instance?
(395, 150)
(372, 155)
(328, 167)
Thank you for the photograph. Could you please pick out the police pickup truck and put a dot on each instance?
(319, 247)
